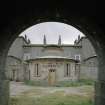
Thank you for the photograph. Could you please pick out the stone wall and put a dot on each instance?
(59, 66)
(89, 69)
(16, 48)
(37, 51)
(14, 69)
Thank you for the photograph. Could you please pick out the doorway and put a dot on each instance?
(52, 77)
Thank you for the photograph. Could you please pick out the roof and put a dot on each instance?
(23, 39)
(14, 57)
(52, 57)
(51, 45)
(94, 56)
(83, 37)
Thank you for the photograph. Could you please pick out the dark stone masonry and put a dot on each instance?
(87, 17)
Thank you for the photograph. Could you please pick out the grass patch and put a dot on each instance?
(36, 83)
(75, 83)
(81, 82)
(52, 99)
(87, 81)
(38, 96)
(67, 84)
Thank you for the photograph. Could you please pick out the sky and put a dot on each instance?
(52, 30)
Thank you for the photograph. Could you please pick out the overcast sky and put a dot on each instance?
(52, 30)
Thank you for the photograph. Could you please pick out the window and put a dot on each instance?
(67, 70)
(52, 70)
(77, 69)
(26, 56)
(77, 57)
(36, 70)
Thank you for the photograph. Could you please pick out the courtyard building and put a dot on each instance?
(51, 63)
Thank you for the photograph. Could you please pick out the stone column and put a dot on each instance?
(4, 84)
(4, 92)
(100, 93)
(100, 84)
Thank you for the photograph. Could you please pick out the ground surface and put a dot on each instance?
(19, 88)
(22, 94)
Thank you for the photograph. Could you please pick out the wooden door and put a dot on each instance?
(52, 77)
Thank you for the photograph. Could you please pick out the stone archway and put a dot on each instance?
(91, 24)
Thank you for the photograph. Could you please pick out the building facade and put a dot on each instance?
(51, 62)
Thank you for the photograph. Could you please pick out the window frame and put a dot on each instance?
(79, 56)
